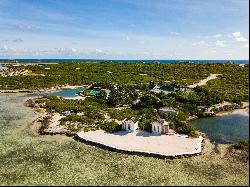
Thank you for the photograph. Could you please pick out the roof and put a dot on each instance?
(168, 88)
(161, 121)
(133, 119)
(151, 86)
(168, 109)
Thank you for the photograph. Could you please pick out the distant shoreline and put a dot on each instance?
(53, 61)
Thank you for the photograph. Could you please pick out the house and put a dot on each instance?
(166, 89)
(160, 126)
(203, 108)
(154, 88)
(168, 110)
(66, 113)
(130, 124)
(156, 62)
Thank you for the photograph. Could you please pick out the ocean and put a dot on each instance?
(127, 61)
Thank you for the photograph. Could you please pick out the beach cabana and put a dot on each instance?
(160, 126)
(130, 124)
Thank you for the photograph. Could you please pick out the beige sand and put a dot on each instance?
(244, 112)
(204, 81)
(141, 141)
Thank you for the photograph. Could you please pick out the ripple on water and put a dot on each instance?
(224, 129)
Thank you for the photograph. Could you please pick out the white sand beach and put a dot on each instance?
(145, 142)
(244, 111)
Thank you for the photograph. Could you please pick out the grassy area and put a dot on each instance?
(28, 159)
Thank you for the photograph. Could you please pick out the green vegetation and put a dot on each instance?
(232, 85)
(126, 85)
(242, 145)
(110, 126)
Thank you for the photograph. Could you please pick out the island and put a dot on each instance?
(170, 95)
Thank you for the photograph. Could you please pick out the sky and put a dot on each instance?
(125, 29)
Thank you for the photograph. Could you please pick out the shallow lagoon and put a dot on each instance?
(224, 129)
(66, 92)
(30, 159)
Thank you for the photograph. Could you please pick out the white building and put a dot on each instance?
(130, 125)
(160, 126)
(170, 110)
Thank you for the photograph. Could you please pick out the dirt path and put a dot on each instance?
(204, 81)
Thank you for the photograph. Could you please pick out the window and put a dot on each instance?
(154, 128)
(158, 129)
(129, 127)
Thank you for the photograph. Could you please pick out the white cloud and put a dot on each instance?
(199, 43)
(236, 34)
(17, 40)
(141, 42)
(73, 50)
(246, 45)
(241, 39)
(238, 37)
(6, 48)
(174, 33)
(99, 51)
(220, 43)
(24, 26)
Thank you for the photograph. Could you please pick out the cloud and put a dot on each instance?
(24, 26)
(17, 40)
(238, 37)
(174, 33)
(99, 51)
(6, 48)
(236, 34)
(141, 42)
(199, 43)
(241, 39)
(246, 45)
(219, 43)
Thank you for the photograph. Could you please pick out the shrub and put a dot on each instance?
(86, 129)
(242, 145)
(110, 126)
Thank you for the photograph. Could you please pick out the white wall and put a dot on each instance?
(133, 126)
(156, 127)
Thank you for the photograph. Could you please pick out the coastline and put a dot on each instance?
(244, 112)
(41, 90)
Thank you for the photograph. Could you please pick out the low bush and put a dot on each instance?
(242, 145)
(110, 126)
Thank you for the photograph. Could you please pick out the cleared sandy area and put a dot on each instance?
(74, 98)
(244, 111)
(204, 81)
(145, 142)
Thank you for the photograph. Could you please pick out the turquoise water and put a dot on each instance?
(224, 129)
(128, 61)
(95, 92)
(66, 92)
